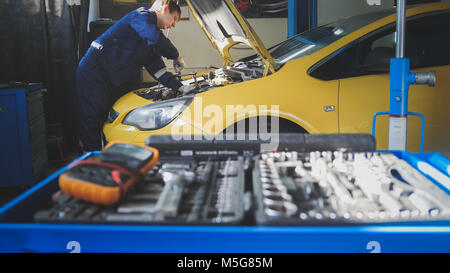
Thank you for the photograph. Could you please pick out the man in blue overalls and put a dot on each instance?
(116, 56)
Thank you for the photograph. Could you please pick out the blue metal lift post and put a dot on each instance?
(400, 79)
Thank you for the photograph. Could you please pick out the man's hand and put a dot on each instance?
(178, 65)
(187, 89)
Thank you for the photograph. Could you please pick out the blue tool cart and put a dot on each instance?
(23, 137)
(19, 233)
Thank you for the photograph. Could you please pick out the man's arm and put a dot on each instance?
(158, 70)
(166, 49)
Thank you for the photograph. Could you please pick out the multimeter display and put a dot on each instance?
(131, 150)
(125, 154)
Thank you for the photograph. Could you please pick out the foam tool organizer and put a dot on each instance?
(343, 187)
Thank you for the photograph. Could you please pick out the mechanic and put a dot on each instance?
(115, 57)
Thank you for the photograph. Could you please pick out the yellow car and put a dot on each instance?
(331, 79)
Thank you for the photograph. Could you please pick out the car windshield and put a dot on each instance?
(311, 41)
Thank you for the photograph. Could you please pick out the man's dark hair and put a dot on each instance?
(173, 6)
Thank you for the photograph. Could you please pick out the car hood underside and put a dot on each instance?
(225, 27)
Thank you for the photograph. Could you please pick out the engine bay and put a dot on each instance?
(238, 72)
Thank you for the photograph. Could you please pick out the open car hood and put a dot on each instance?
(225, 27)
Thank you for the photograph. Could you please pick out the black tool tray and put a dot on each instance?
(212, 197)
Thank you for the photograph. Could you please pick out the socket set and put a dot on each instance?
(177, 191)
(293, 188)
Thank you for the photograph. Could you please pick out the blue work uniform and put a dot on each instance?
(111, 60)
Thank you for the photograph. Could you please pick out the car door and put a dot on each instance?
(364, 87)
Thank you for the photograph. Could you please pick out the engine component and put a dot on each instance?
(238, 72)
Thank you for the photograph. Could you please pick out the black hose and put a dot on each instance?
(74, 29)
(82, 26)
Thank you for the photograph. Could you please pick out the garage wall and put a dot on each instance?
(332, 10)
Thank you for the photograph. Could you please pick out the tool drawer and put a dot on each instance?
(23, 139)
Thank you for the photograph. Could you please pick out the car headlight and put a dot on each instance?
(158, 114)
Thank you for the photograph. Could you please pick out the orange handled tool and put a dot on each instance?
(105, 178)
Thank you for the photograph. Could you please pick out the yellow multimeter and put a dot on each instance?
(106, 177)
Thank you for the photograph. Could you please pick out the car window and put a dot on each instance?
(427, 44)
(428, 41)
